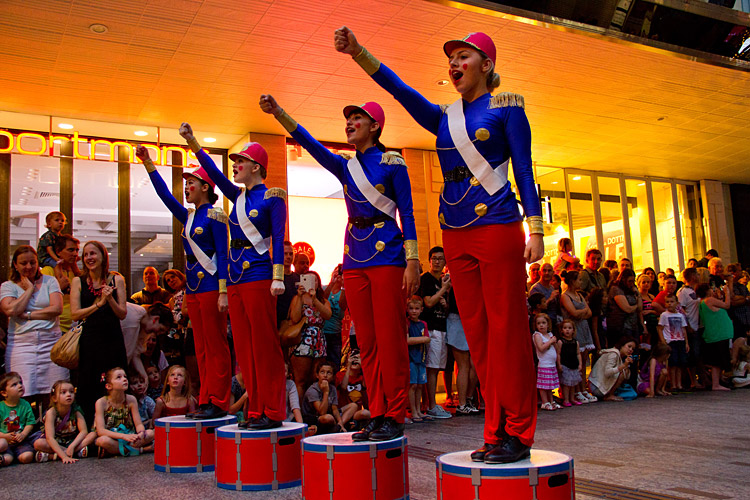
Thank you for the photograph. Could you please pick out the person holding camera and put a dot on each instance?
(612, 369)
(336, 296)
(311, 303)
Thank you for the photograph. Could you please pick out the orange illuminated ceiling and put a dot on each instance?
(593, 103)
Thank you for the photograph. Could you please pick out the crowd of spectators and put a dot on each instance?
(600, 331)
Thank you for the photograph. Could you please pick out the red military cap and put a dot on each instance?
(479, 41)
(371, 109)
(252, 151)
(199, 173)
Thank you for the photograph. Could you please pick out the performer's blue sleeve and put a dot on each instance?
(225, 185)
(221, 244)
(518, 133)
(180, 213)
(402, 185)
(423, 111)
(278, 228)
(331, 162)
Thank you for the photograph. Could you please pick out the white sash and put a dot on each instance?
(208, 264)
(375, 197)
(492, 180)
(251, 232)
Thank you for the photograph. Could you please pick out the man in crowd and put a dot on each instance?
(690, 303)
(710, 254)
(551, 302)
(591, 279)
(152, 292)
(433, 288)
(291, 279)
(739, 310)
(66, 247)
(533, 275)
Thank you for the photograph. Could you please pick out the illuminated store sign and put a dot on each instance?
(32, 143)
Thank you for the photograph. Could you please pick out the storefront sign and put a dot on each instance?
(35, 144)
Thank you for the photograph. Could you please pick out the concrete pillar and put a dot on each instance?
(717, 219)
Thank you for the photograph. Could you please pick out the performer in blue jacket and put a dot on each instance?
(483, 235)
(376, 186)
(204, 237)
(257, 223)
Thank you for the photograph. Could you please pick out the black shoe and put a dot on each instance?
(209, 412)
(512, 450)
(247, 422)
(478, 455)
(191, 414)
(389, 430)
(264, 423)
(371, 427)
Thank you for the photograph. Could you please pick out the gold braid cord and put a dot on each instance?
(287, 122)
(412, 250)
(367, 61)
(536, 224)
(194, 146)
(278, 272)
(149, 165)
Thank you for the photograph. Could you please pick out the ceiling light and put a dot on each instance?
(66, 126)
(642, 184)
(57, 141)
(209, 139)
(99, 29)
(577, 178)
(554, 182)
(442, 83)
(141, 133)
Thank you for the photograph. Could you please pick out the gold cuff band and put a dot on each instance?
(412, 249)
(278, 272)
(194, 146)
(367, 61)
(149, 165)
(536, 224)
(287, 122)
(222, 286)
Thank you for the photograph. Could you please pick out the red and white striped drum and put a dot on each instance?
(184, 445)
(547, 475)
(248, 460)
(333, 467)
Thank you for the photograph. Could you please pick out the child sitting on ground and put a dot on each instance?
(741, 372)
(293, 411)
(546, 351)
(118, 423)
(55, 222)
(654, 374)
(155, 387)
(417, 339)
(238, 398)
(352, 396)
(175, 398)
(320, 404)
(65, 435)
(570, 363)
(16, 422)
(146, 405)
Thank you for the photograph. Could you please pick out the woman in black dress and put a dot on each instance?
(97, 298)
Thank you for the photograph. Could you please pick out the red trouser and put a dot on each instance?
(487, 271)
(211, 348)
(378, 304)
(252, 310)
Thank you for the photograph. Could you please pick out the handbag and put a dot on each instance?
(65, 351)
(290, 334)
(626, 392)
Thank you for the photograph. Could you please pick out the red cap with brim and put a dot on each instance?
(254, 152)
(199, 173)
(371, 109)
(479, 41)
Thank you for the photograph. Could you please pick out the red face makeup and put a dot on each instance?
(192, 188)
(240, 168)
(465, 66)
(357, 125)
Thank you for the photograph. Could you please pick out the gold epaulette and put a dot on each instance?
(217, 214)
(392, 158)
(505, 99)
(345, 156)
(443, 107)
(275, 192)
